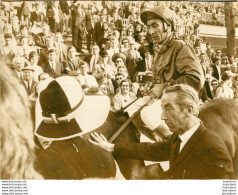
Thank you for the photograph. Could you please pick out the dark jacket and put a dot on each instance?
(59, 69)
(177, 63)
(75, 159)
(72, 68)
(204, 156)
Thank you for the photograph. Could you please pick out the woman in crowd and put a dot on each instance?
(124, 96)
(224, 89)
(34, 59)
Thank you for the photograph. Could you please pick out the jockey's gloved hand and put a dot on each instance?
(101, 141)
(156, 91)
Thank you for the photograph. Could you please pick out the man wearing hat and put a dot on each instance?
(119, 59)
(125, 44)
(175, 61)
(28, 80)
(63, 114)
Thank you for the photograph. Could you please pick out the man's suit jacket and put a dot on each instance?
(59, 69)
(131, 62)
(61, 50)
(32, 90)
(216, 73)
(204, 156)
(71, 68)
(41, 40)
(97, 32)
(40, 17)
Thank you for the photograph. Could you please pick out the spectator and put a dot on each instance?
(224, 89)
(72, 63)
(125, 44)
(119, 59)
(52, 67)
(146, 63)
(124, 96)
(61, 48)
(89, 23)
(94, 58)
(18, 65)
(44, 52)
(216, 67)
(37, 17)
(98, 30)
(87, 81)
(41, 37)
(132, 57)
(28, 80)
(34, 59)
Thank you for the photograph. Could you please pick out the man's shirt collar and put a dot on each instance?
(188, 134)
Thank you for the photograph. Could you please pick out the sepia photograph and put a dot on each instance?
(119, 90)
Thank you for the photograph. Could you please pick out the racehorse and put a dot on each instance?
(220, 116)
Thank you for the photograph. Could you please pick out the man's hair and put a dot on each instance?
(71, 47)
(96, 46)
(186, 96)
(226, 75)
(84, 63)
(33, 54)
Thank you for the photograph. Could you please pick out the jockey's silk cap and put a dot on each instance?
(63, 111)
(159, 12)
(119, 55)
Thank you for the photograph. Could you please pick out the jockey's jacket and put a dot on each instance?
(177, 63)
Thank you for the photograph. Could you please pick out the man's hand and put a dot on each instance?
(156, 91)
(101, 141)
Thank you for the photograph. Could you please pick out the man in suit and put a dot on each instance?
(41, 37)
(132, 57)
(89, 23)
(93, 59)
(146, 63)
(216, 67)
(98, 29)
(72, 63)
(193, 151)
(61, 48)
(44, 52)
(53, 67)
(37, 17)
(18, 65)
(28, 80)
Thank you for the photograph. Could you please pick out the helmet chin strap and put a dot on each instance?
(160, 45)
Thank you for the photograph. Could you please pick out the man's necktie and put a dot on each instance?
(28, 86)
(175, 146)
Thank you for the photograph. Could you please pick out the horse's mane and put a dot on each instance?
(17, 143)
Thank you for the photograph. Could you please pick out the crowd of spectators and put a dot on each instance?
(110, 49)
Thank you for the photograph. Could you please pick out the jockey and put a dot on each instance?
(174, 63)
